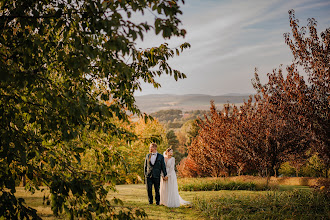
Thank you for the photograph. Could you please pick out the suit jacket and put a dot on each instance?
(156, 169)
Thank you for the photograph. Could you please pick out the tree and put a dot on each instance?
(308, 103)
(172, 139)
(209, 150)
(267, 138)
(188, 168)
(314, 167)
(69, 67)
(182, 139)
(191, 128)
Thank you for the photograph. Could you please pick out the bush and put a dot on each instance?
(287, 170)
(314, 167)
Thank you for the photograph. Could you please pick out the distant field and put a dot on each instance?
(154, 103)
(135, 196)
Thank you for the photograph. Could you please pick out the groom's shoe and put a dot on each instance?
(157, 203)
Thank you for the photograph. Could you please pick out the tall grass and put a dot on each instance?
(216, 184)
(297, 204)
(243, 183)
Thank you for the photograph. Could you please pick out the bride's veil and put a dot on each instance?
(164, 154)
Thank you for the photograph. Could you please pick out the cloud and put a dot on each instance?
(229, 39)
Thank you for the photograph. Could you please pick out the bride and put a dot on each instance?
(169, 194)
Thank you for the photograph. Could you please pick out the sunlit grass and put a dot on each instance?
(135, 196)
(243, 183)
(37, 202)
(296, 204)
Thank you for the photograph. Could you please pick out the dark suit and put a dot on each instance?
(152, 173)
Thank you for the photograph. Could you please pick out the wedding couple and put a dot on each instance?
(159, 171)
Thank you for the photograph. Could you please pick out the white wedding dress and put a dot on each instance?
(169, 194)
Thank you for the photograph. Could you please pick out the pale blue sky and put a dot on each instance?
(229, 39)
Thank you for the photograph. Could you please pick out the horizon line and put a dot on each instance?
(225, 94)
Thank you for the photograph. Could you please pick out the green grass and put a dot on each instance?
(286, 202)
(133, 196)
(136, 196)
(37, 202)
(297, 204)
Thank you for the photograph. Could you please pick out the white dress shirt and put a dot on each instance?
(153, 158)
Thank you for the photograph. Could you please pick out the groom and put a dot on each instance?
(153, 165)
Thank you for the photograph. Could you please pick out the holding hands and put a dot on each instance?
(165, 178)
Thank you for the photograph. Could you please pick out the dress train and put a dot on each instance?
(169, 193)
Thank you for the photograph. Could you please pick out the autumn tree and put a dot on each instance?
(188, 168)
(265, 139)
(252, 138)
(305, 103)
(209, 150)
(60, 62)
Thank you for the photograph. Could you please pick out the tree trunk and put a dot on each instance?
(275, 172)
(268, 179)
(24, 180)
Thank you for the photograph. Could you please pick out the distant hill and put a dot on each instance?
(154, 103)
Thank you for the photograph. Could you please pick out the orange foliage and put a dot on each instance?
(187, 168)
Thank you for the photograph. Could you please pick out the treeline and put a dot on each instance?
(289, 121)
(176, 118)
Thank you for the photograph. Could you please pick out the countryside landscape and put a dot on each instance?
(80, 117)
(154, 103)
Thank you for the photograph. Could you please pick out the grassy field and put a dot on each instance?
(206, 204)
(136, 196)
(36, 201)
(132, 196)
